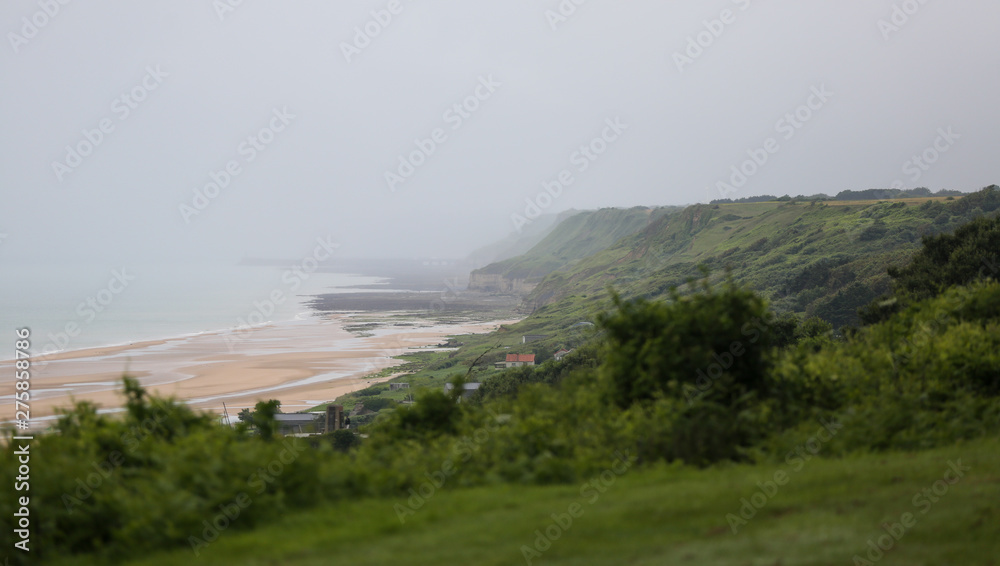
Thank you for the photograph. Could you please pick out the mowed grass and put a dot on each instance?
(825, 514)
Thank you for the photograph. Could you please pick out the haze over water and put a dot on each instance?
(154, 302)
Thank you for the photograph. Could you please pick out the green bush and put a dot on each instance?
(117, 486)
(378, 403)
(713, 343)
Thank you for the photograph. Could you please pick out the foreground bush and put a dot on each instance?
(157, 477)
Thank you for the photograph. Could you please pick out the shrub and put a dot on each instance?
(343, 440)
(674, 347)
(376, 404)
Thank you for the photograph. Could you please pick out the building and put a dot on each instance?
(529, 338)
(516, 360)
(299, 423)
(398, 386)
(468, 389)
(562, 354)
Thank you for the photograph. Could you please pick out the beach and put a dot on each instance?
(301, 363)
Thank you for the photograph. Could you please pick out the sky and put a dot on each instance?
(176, 130)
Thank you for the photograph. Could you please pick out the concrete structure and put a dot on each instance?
(299, 423)
(529, 338)
(468, 389)
(398, 386)
(561, 354)
(334, 418)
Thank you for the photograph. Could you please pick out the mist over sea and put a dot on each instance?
(120, 304)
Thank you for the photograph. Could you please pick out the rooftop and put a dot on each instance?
(296, 417)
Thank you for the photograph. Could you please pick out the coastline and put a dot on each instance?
(302, 363)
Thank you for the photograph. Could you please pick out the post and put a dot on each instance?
(334, 417)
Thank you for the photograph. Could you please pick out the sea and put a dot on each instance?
(77, 306)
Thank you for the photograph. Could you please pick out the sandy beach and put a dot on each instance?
(301, 363)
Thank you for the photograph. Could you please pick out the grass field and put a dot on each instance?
(911, 201)
(825, 513)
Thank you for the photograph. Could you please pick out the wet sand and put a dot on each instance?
(301, 363)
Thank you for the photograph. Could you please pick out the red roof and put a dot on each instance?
(521, 358)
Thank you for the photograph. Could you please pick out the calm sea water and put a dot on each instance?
(112, 305)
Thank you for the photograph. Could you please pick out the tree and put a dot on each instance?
(263, 418)
(245, 416)
(343, 440)
(713, 343)
(946, 260)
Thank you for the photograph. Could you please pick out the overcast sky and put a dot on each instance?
(693, 90)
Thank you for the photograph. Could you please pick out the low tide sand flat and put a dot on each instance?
(301, 364)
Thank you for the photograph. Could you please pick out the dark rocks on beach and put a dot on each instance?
(429, 301)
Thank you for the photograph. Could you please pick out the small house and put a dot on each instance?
(517, 360)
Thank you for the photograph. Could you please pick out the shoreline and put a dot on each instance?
(302, 363)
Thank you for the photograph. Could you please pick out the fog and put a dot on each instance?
(180, 130)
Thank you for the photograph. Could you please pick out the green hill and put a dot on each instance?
(574, 238)
(816, 259)
(520, 242)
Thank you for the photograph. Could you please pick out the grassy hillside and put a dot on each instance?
(521, 242)
(574, 238)
(825, 514)
(808, 258)
(822, 259)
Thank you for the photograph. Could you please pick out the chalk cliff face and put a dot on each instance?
(497, 283)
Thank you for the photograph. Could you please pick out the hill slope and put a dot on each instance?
(518, 243)
(575, 237)
(814, 259)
